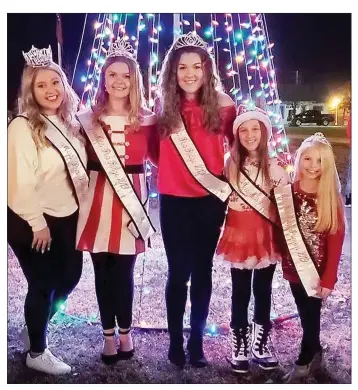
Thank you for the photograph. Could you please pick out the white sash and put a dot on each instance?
(255, 198)
(75, 165)
(196, 166)
(140, 225)
(304, 264)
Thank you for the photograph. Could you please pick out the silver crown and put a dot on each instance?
(38, 57)
(120, 48)
(190, 39)
(317, 137)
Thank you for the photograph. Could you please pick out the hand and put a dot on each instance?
(323, 292)
(42, 240)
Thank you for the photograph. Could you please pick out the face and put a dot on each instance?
(310, 164)
(48, 91)
(117, 80)
(250, 135)
(190, 74)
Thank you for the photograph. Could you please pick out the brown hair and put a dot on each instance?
(136, 93)
(170, 93)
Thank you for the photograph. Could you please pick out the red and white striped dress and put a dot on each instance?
(102, 225)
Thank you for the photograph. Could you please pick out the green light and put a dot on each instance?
(254, 53)
(273, 154)
(208, 33)
(61, 306)
(238, 35)
(285, 141)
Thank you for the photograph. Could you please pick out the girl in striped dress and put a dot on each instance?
(113, 224)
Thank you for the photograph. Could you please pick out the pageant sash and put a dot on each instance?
(75, 165)
(196, 166)
(256, 198)
(140, 225)
(303, 262)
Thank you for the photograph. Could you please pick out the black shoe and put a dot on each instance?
(196, 353)
(109, 359)
(125, 355)
(176, 355)
(198, 361)
(348, 201)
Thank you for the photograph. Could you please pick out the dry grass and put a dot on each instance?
(76, 336)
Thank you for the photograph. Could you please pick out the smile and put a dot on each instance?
(52, 98)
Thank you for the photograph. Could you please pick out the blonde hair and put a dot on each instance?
(329, 202)
(136, 94)
(28, 104)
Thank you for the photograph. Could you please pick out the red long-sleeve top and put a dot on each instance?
(326, 249)
(174, 177)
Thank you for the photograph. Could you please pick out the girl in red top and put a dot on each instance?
(191, 99)
(120, 121)
(320, 217)
(248, 241)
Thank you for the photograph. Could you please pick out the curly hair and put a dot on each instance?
(170, 93)
(136, 94)
(28, 104)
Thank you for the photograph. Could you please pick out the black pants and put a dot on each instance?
(51, 276)
(190, 230)
(241, 293)
(309, 310)
(114, 288)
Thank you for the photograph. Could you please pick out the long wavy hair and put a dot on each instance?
(329, 202)
(29, 106)
(170, 92)
(136, 94)
(239, 154)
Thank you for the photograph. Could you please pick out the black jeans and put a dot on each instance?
(51, 276)
(114, 288)
(190, 230)
(309, 310)
(241, 293)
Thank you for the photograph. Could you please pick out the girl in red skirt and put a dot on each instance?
(247, 241)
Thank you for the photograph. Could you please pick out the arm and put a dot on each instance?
(22, 165)
(334, 251)
(153, 140)
(228, 115)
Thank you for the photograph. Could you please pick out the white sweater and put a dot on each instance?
(38, 181)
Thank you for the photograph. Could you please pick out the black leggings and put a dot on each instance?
(309, 310)
(51, 276)
(190, 230)
(114, 288)
(241, 293)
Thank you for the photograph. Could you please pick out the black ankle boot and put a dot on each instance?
(176, 354)
(196, 353)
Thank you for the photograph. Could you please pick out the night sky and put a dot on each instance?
(317, 45)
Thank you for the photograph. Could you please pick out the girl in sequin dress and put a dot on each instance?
(247, 242)
(320, 218)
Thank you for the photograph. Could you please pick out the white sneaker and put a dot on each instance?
(24, 337)
(48, 363)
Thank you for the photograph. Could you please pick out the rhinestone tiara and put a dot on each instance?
(120, 48)
(317, 137)
(38, 57)
(190, 39)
